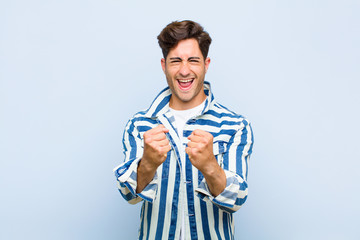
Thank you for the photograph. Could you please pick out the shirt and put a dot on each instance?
(172, 190)
(181, 117)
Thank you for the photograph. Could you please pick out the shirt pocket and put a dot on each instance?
(219, 148)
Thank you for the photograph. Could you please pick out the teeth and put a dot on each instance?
(185, 81)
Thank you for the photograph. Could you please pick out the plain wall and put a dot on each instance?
(73, 72)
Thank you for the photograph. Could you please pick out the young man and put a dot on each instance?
(186, 157)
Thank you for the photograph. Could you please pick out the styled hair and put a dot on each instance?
(177, 31)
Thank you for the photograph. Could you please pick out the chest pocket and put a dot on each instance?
(219, 148)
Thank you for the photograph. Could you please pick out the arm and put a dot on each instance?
(131, 188)
(200, 151)
(156, 147)
(126, 172)
(234, 162)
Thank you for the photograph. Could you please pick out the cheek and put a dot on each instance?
(170, 81)
(170, 73)
(198, 70)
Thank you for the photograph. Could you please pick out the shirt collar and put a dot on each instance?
(160, 105)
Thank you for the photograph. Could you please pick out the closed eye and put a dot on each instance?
(194, 59)
(175, 60)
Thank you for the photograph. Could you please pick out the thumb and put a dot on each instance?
(187, 150)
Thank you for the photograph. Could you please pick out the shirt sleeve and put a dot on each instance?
(235, 162)
(126, 173)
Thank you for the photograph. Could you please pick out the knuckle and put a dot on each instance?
(147, 140)
(158, 149)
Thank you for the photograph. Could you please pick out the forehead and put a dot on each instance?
(186, 48)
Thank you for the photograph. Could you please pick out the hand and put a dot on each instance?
(200, 151)
(156, 147)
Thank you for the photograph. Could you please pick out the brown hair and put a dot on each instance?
(177, 31)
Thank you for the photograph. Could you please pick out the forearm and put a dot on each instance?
(216, 180)
(145, 173)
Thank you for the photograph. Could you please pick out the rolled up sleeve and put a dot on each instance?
(235, 162)
(126, 173)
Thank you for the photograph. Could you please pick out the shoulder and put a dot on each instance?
(224, 114)
(140, 122)
(224, 124)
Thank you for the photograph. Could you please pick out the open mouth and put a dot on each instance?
(185, 84)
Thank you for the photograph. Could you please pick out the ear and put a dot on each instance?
(207, 63)
(163, 64)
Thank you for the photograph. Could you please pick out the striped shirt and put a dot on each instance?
(173, 190)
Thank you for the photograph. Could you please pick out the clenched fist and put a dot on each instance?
(156, 147)
(200, 151)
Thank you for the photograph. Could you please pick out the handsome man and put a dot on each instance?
(186, 157)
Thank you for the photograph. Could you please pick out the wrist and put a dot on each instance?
(211, 169)
(216, 180)
(147, 165)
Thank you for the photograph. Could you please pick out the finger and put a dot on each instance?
(158, 136)
(165, 149)
(153, 133)
(194, 138)
(163, 128)
(199, 132)
(188, 151)
(192, 144)
(158, 129)
(163, 143)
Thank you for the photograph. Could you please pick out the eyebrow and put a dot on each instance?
(175, 58)
(178, 58)
(192, 58)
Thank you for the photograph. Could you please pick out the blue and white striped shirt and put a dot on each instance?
(172, 191)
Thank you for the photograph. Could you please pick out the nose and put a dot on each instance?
(184, 70)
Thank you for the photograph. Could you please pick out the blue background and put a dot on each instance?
(73, 72)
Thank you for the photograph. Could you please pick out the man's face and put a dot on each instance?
(185, 70)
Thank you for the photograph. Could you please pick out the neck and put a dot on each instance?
(177, 104)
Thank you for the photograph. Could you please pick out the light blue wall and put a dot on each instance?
(73, 72)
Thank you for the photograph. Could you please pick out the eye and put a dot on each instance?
(193, 60)
(175, 60)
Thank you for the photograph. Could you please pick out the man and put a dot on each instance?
(186, 157)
